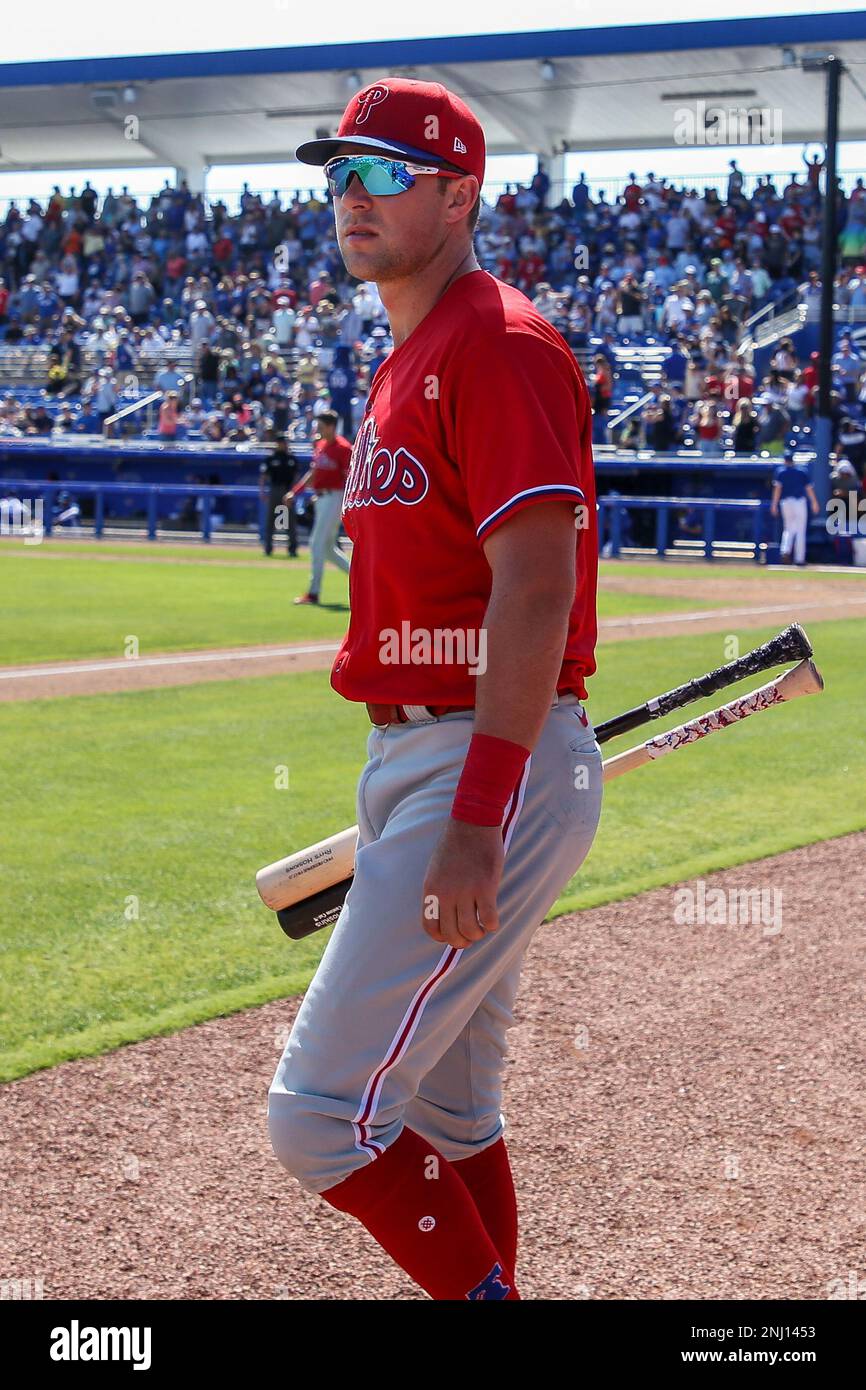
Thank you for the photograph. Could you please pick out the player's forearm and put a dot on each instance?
(523, 640)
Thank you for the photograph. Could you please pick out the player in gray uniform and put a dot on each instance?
(471, 506)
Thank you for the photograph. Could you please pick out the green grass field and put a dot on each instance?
(58, 607)
(135, 822)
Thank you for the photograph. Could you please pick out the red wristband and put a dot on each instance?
(490, 774)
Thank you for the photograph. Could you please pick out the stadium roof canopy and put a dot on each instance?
(542, 92)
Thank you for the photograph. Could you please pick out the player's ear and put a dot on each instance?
(461, 197)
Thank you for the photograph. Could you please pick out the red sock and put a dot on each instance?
(488, 1176)
(429, 1225)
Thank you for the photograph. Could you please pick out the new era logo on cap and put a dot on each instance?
(422, 120)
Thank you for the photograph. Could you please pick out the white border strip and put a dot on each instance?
(654, 619)
(182, 659)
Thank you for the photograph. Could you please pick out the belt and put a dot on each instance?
(423, 714)
(410, 714)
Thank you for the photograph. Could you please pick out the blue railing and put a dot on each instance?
(612, 510)
(48, 492)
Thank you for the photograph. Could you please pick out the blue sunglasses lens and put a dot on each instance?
(381, 177)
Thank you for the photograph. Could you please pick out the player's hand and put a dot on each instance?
(459, 898)
(288, 497)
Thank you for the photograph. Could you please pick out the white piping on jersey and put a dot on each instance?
(559, 488)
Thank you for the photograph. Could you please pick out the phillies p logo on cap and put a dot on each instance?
(370, 97)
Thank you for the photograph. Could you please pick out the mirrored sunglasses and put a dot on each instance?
(381, 177)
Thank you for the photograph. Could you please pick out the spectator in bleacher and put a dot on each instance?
(38, 420)
(201, 326)
(851, 440)
(678, 309)
(140, 298)
(629, 305)
(735, 181)
(707, 426)
(737, 380)
(342, 383)
(67, 281)
(798, 401)
(64, 421)
(847, 368)
(169, 378)
(100, 394)
(676, 363)
(745, 427)
(695, 377)
(374, 355)
(774, 424)
(784, 359)
(657, 420)
(58, 372)
(283, 321)
(169, 412)
(194, 416)
(605, 307)
(727, 327)
(208, 372)
(601, 387)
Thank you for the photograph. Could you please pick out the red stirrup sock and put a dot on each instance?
(488, 1177)
(421, 1213)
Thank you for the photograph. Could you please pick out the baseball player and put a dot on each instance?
(471, 505)
(327, 477)
(791, 489)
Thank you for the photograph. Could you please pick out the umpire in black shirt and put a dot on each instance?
(276, 476)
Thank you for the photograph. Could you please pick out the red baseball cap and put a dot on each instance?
(398, 115)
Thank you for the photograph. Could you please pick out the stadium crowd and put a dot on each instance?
(250, 327)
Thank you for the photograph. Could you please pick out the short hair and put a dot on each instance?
(329, 417)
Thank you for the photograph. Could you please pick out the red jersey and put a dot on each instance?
(480, 412)
(331, 464)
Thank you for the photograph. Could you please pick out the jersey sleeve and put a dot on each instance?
(521, 426)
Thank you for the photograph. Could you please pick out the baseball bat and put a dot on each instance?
(307, 889)
(791, 644)
(804, 679)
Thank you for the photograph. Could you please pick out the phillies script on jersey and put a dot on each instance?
(480, 412)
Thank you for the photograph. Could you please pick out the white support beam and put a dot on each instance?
(528, 134)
